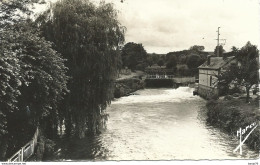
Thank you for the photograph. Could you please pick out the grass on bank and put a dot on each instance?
(233, 114)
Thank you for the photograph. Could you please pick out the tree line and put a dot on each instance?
(183, 63)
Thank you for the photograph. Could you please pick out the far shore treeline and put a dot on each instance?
(58, 70)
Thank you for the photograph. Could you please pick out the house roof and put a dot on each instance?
(216, 62)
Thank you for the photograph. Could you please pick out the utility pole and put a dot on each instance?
(218, 43)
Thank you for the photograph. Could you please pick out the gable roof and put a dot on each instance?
(216, 63)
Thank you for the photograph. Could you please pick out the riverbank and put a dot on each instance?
(127, 84)
(233, 114)
(125, 87)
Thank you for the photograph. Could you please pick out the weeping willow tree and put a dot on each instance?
(89, 37)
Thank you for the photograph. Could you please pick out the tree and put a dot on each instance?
(234, 52)
(155, 58)
(226, 79)
(89, 37)
(183, 71)
(150, 60)
(183, 59)
(171, 54)
(193, 61)
(234, 49)
(46, 77)
(160, 63)
(221, 50)
(27, 61)
(133, 54)
(248, 76)
(245, 74)
(172, 62)
(14, 11)
(9, 84)
(35, 77)
(196, 49)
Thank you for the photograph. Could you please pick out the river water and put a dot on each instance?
(156, 124)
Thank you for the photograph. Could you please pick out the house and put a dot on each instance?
(208, 71)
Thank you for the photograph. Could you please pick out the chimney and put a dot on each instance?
(208, 59)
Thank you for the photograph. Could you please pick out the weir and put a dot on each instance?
(163, 77)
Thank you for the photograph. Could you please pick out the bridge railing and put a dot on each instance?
(26, 151)
(159, 76)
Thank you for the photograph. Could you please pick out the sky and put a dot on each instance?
(162, 26)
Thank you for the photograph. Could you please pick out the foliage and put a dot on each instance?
(196, 49)
(221, 50)
(15, 11)
(226, 79)
(193, 61)
(32, 74)
(246, 73)
(234, 52)
(133, 54)
(234, 49)
(172, 62)
(155, 58)
(183, 59)
(184, 71)
(89, 37)
(176, 55)
(150, 61)
(160, 63)
(233, 114)
(9, 81)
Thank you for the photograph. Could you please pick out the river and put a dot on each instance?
(156, 124)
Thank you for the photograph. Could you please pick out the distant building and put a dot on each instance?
(208, 71)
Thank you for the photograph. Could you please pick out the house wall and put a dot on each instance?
(206, 91)
(205, 76)
(207, 82)
(208, 79)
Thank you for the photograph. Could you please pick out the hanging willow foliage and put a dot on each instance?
(89, 37)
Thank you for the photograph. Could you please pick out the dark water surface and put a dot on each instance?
(156, 124)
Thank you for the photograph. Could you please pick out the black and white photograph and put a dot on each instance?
(148, 81)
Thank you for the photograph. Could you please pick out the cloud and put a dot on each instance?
(170, 25)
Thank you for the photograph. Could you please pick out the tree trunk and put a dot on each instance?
(81, 126)
(247, 94)
(92, 124)
(68, 125)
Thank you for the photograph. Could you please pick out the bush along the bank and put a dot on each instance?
(231, 115)
(44, 149)
(127, 86)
